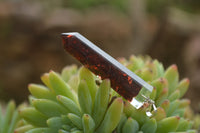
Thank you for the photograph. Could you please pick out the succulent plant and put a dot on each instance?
(170, 114)
(71, 102)
(8, 118)
(77, 101)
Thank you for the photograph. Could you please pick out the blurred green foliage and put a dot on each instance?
(157, 6)
(120, 5)
(152, 6)
(189, 5)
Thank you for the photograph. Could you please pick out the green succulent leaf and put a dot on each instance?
(165, 105)
(23, 129)
(33, 116)
(159, 84)
(183, 103)
(69, 105)
(55, 123)
(121, 123)
(168, 124)
(49, 108)
(112, 117)
(84, 98)
(68, 72)
(77, 131)
(13, 122)
(88, 124)
(153, 94)
(130, 126)
(183, 125)
(160, 68)
(40, 130)
(150, 126)
(163, 96)
(60, 87)
(135, 63)
(153, 68)
(76, 120)
(172, 107)
(10, 109)
(147, 74)
(175, 95)
(172, 76)
(159, 114)
(45, 80)
(39, 91)
(63, 131)
(101, 102)
(183, 87)
(89, 78)
(191, 131)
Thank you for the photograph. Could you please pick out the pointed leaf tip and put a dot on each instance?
(174, 66)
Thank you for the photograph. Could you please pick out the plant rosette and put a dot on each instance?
(77, 101)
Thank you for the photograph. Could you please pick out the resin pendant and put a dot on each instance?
(123, 81)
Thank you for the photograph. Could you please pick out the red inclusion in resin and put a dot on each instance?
(100, 63)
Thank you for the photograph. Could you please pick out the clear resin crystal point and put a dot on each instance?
(123, 81)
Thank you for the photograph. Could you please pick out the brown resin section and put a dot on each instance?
(98, 63)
